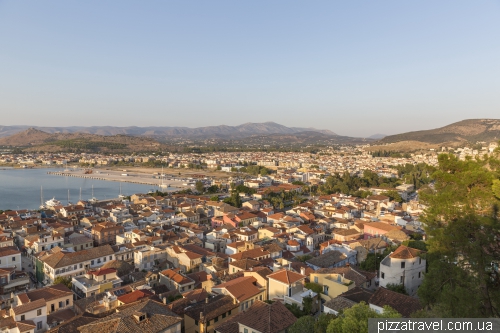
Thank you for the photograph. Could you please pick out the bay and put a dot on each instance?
(20, 188)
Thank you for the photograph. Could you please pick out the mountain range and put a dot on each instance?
(222, 131)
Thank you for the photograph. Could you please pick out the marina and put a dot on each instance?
(21, 188)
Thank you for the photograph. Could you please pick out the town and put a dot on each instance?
(287, 234)
(217, 261)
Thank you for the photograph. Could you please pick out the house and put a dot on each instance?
(403, 266)
(68, 264)
(10, 256)
(338, 280)
(35, 311)
(404, 304)
(148, 256)
(12, 280)
(105, 233)
(57, 297)
(148, 316)
(96, 282)
(329, 260)
(243, 289)
(378, 229)
(344, 235)
(287, 286)
(207, 316)
(260, 318)
(174, 279)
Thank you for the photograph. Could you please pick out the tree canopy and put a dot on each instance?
(355, 319)
(461, 221)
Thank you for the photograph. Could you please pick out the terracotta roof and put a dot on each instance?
(358, 294)
(404, 304)
(23, 308)
(245, 263)
(103, 271)
(48, 293)
(262, 317)
(63, 259)
(339, 303)
(286, 276)
(176, 277)
(215, 307)
(405, 252)
(327, 259)
(158, 319)
(241, 288)
(135, 296)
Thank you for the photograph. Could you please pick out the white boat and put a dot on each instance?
(52, 203)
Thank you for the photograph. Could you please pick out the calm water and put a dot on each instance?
(21, 188)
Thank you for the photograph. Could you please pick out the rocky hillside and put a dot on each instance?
(35, 140)
(465, 131)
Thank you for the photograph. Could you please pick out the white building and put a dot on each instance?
(403, 266)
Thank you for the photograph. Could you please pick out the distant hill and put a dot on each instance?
(222, 131)
(465, 131)
(377, 136)
(302, 138)
(35, 140)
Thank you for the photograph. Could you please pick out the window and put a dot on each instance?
(67, 301)
(75, 267)
(419, 260)
(216, 319)
(208, 323)
(13, 258)
(419, 275)
(400, 279)
(382, 275)
(315, 279)
(403, 264)
(325, 290)
(245, 330)
(92, 262)
(52, 308)
(196, 322)
(229, 313)
(39, 325)
(104, 259)
(223, 315)
(61, 304)
(39, 312)
(22, 317)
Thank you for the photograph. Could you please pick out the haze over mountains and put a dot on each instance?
(222, 131)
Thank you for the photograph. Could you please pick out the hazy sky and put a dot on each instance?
(354, 67)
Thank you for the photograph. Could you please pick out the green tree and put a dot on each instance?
(399, 288)
(355, 319)
(393, 195)
(214, 198)
(321, 324)
(463, 228)
(304, 324)
(199, 186)
(316, 287)
(63, 280)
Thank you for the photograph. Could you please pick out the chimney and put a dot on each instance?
(289, 266)
(303, 270)
(164, 300)
(206, 300)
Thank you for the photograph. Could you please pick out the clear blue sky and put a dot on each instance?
(354, 67)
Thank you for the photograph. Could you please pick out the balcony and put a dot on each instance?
(18, 282)
(299, 297)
